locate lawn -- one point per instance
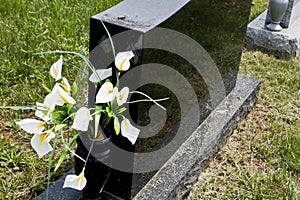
(260, 160)
(29, 27)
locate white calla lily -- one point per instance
(40, 142)
(75, 182)
(101, 73)
(61, 96)
(66, 85)
(40, 114)
(122, 60)
(50, 101)
(106, 93)
(40, 106)
(56, 68)
(32, 125)
(129, 131)
(122, 95)
(82, 119)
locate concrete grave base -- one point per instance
(283, 44)
(175, 179)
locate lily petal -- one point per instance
(122, 60)
(82, 118)
(50, 101)
(122, 96)
(75, 182)
(40, 143)
(42, 115)
(56, 68)
(106, 93)
(102, 74)
(129, 131)
(61, 96)
(40, 106)
(32, 125)
(66, 86)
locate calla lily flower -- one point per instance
(106, 93)
(122, 60)
(75, 182)
(82, 118)
(66, 86)
(129, 131)
(56, 68)
(122, 95)
(32, 125)
(40, 114)
(102, 74)
(40, 143)
(50, 101)
(61, 96)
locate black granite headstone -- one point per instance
(185, 46)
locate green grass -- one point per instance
(262, 158)
(29, 27)
(260, 161)
(258, 6)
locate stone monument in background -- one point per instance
(284, 43)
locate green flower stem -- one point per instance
(31, 107)
(85, 59)
(149, 99)
(114, 52)
(90, 150)
(99, 111)
(110, 40)
(66, 146)
(68, 117)
(49, 166)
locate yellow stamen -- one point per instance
(64, 87)
(43, 138)
(65, 100)
(121, 96)
(55, 71)
(80, 180)
(46, 106)
(122, 63)
(39, 125)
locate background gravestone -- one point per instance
(285, 22)
(283, 44)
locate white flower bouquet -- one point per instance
(58, 114)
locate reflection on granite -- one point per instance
(219, 27)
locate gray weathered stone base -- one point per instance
(176, 178)
(283, 44)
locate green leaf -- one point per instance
(114, 107)
(109, 112)
(69, 107)
(74, 89)
(120, 110)
(46, 88)
(59, 127)
(97, 117)
(65, 152)
(117, 125)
